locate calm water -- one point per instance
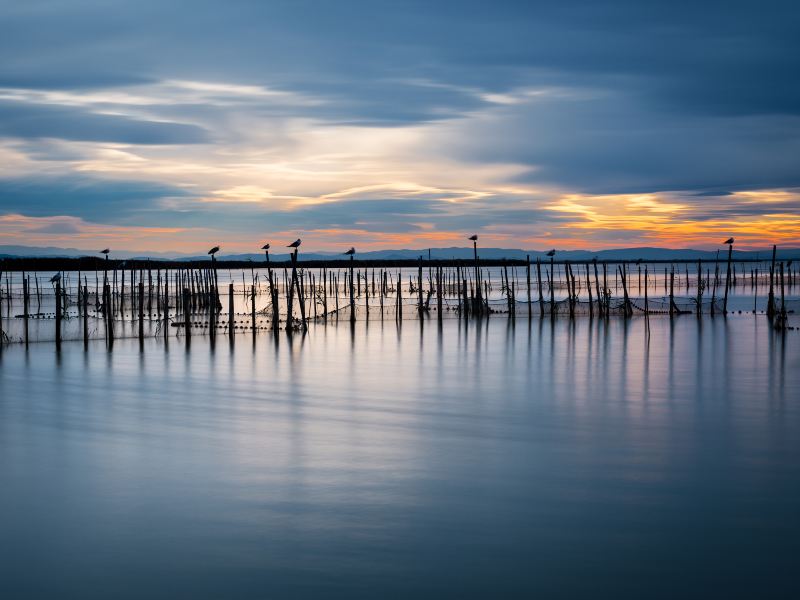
(558, 459)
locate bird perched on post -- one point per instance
(551, 253)
(55, 278)
(294, 244)
(265, 247)
(728, 241)
(214, 250)
(474, 237)
(105, 251)
(350, 252)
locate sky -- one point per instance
(174, 126)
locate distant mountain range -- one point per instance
(628, 254)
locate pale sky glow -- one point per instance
(581, 137)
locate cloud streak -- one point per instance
(533, 124)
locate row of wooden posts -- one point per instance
(198, 288)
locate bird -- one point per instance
(351, 252)
(551, 253)
(214, 250)
(265, 247)
(294, 244)
(474, 238)
(55, 278)
(105, 251)
(728, 241)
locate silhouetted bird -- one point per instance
(551, 253)
(351, 252)
(106, 251)
(214, 250)
(474, 238)
(294, 244)
(55, 278)
(265, 247)
(728, 241)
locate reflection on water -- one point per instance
(562, 458)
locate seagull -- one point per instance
(351, 252)
(106, 251)
(55, 278)
(294, 244)
(728, 241)
(214, 250)
(551, 253)
(265, 247)
(474, 238)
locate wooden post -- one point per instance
(351, 290)
(672, 292)
(109, 321)
(477, 278)
(231, 320)
(771, 298)
(439, 293)
(589, 289)
(570, 281)
(539, 285)
(253, 309)
(552, 288)
(399, 313)
(646, 300)
(626, 300)
(141, 311)
(166, 305)
(325, 294)
(528, 281)
(58, 314)
(187, 317)
(85, 300)
(25, 305)
(699, 286)
(419, 288)
(727, 280)
(783, 301)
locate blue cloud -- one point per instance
(46, 121)
(92, 199)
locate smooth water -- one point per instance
(557, 459)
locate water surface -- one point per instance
(582, 458)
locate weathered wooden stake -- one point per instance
(141, 311)
(85, 300)
(727, 280)
(231, 320)
(58, 315)
(771, 298)
(25, 305)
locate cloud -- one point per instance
(412, 118)
(25, 120)
(83, 197)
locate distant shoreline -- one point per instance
(90, 263)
